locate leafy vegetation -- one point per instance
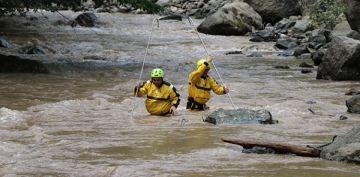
(327, 13)
(10, 7)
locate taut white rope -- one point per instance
(143, 63)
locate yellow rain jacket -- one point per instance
(199, 87)
(159, 100)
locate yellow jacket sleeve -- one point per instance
(143, 89)
(196, 75)
(174, 97)
(218, 89)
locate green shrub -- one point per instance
(326, 13)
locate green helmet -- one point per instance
(200, 62)
(157, 72)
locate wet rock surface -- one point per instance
(353, 104)
(344, 147)
(236, 18)
(240, 116)
(340, 62)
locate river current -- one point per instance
(87, 123)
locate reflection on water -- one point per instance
(81, 124)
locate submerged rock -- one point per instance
(86, 19)
(240, 116)
(15, 64)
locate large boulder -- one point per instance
(352, 9)
(273, 11)
(341, 61)
(240, 116)
(344, 147)
(198, 8)
(236, 18)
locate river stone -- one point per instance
(86, 19)
(240, 116)
(344, 147)
(353, 104)
(4, 43)
(15, 64)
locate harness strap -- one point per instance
(160, 99)
(201, 88)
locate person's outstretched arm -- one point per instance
(217, 88)
(141, 88)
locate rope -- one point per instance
(207, 52)
(143, 63)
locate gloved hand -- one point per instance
(209, 59)
(172, 110)
(137, 87)
(226, 89)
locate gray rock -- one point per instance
(236, 18)
(317, 57)
(352, 9)
(267, 35)
(4, 43)
(342, 117)
(354, 35)
(353, 91)
(341, 60)
(344, 147)
(303, 25)
(36, 50)
(86, 19)
(286, 43)
(273, 11)
(353, 104)
(240, 116)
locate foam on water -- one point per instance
(12, 118)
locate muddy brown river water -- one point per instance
(79, 123)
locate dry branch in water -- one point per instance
(280, 148)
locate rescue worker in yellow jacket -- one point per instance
(200, 85)
(162, 98)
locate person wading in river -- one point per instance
(162, 98)
(200, 85)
